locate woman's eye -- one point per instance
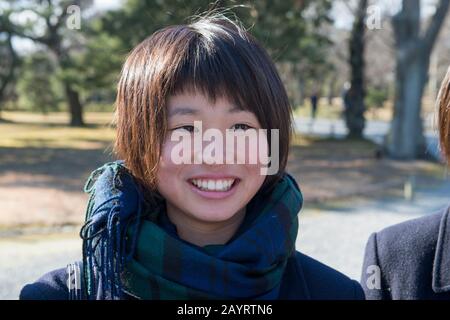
(187, 128)
(241, 126)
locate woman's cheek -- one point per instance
(168, 173)
(165, 159)
(263, 150)
(173, 153)
(256, 153)
(167, 168)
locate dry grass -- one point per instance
(23, 130)
(329, 169)
(44, 164)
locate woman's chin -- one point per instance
(211, 215)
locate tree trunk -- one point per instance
(75, 106)
(301, 90)
(406, 139)
(331, 89)
(9, 76)
(355, 111)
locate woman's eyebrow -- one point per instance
(183, 111)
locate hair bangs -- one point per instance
(216, 68)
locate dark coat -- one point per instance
(413, 259)
(304, 278)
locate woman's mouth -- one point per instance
(213, 185)
(214, 188)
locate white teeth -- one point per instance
(213, 185)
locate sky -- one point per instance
(343, 17)
(107, 4)
(25, 45)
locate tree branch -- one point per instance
(7, 26)
(14, 62)
(64, 12)
(432, 32)
(349, 7)
(21, 33)
(406, 26)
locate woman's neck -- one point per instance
(203, 233)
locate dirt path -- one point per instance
(25, 259)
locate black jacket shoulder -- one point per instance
(407, 260)
(325, 283)
(51, 286)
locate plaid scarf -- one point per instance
(126, 249)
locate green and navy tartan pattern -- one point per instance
(147, 262)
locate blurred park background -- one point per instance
(362, 76)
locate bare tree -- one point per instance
(52, 38)
(413, 50)
(8, 57)
(354, 111)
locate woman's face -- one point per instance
(201, 189)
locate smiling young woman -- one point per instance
(158, 229)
